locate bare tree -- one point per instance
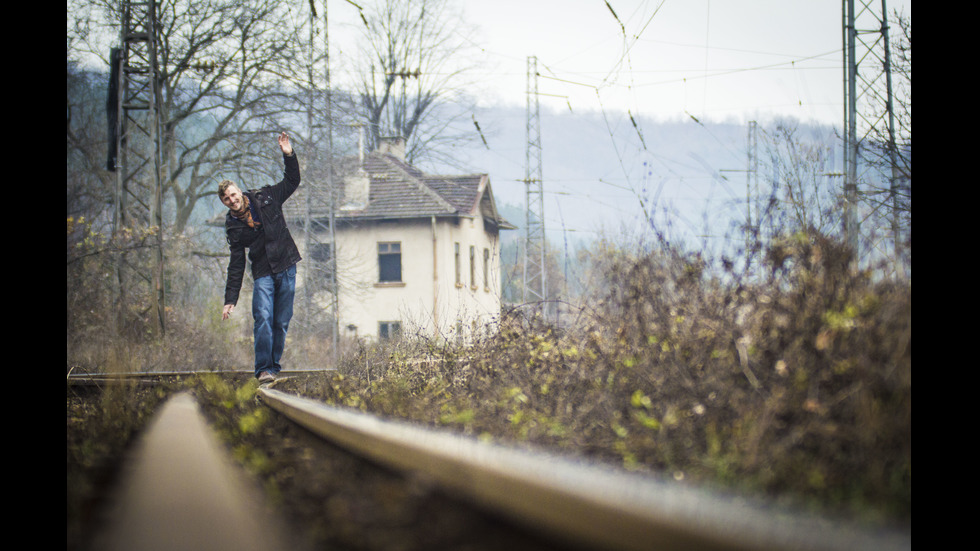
(221, 67)
(89, 185)
(219, 100)
(802, 194)
(412, 78)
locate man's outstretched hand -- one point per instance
(284, 144)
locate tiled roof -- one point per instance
(399, 190)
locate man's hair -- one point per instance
(223, 187)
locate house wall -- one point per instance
(467, 306)
(427, 300)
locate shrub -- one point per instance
(796, 382)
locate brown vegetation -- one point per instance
(797, 385)
(792, 381)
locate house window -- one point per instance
(459, 275)
(389, 330)
(486, 269)
(472, 267)
(390, 262)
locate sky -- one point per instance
(674, 58)
(718, 60)
(724, 61)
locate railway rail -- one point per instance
(574, 503)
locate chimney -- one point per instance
(392, 145)
(356, 189)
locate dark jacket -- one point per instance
(270, 246)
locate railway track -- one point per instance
(573, 504)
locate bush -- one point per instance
(793, 383)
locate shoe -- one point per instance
(266, 377)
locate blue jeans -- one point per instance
(272, 308)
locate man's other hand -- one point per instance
(227, 310)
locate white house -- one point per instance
(416, 253)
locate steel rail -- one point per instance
(182, 490)
(148, 377)
(580, 503)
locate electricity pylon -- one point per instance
(868, 107)
(136, 151)
(535, 287)
(319, 216)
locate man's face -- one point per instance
(232, 198)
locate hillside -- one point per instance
(600, 177)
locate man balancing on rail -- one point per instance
(255, 222)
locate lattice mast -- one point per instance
(138, 151)
(535, 286)
(868, 82)
(319, 217)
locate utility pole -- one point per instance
(535, 287)
(867, 64)
(138, 195)
(752, 185)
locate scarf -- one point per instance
(245, 214)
